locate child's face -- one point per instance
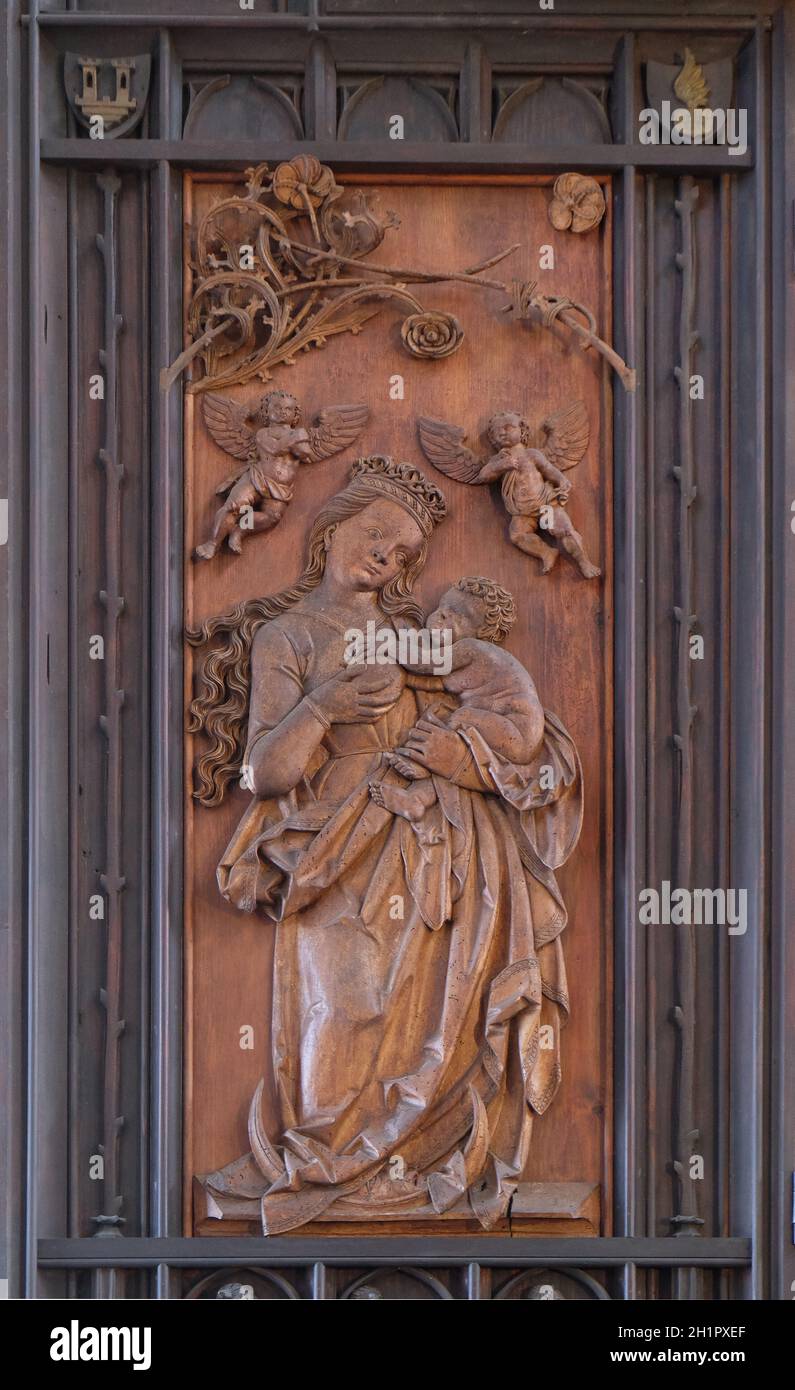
(460, 614)
(281, 410)
(505, 431)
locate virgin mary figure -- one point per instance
(418, 979)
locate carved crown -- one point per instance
(406, 485)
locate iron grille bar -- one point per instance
(219, 1252)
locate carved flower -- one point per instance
(353, 223)
(303, 180)
(432, 334)
(577, 202)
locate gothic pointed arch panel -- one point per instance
(553, 111)
(244, 107)
(370, 110)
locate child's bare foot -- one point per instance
(409, 802)
(408, 769)
(589, 570)
(206, 550)
(235, 541)
(549, 560)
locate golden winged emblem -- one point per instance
(690, 84)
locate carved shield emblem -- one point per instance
(107, 96)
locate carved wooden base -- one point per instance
(538, 1208)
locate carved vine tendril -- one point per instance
(279, 270)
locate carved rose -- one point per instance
(432, 334)
(304, 178)
(577, 203)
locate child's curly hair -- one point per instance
(500, 415)
(262, 414)
(500, 607)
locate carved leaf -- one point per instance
(477, 1145)
(691, 85)
(443, 445)
(566, 435)
(338, 426)
(265, 1156)
(448, 1184)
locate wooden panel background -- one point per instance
(564, 632)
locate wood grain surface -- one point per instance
(563, 636)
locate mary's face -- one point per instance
(373, 547)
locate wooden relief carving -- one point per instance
(281, 270)
(456, 796)
(577, 203)
(390, 715)
(534, 489)
(528, 302)
(257, 494)
(431, 334)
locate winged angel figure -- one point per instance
(271, 449)
(534, 487)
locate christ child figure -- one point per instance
(496, 696)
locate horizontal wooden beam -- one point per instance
(220, 1252)
(547, 22)
(376, 155)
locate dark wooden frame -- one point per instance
(43, 162)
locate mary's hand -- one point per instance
(360, 694)
(436, 747)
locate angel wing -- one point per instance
(226, 421)
(337, 427)
(444, 445)
(565, 435)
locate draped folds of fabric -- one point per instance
(415, 964)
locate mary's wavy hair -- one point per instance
(220, 709)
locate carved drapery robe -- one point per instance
(414, 963)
